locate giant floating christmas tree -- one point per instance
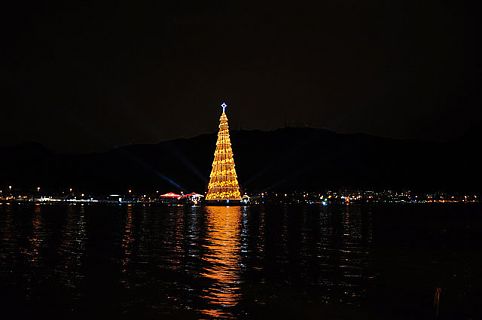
(223, 184)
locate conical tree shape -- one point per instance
(223, 183)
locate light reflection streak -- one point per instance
(72, 249)
(353, 256)
(36, 239)
(127, 240)
(222, 260)
(178, 250)
(8, 238)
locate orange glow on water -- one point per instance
(222, 258)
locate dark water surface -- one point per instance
(153, 262)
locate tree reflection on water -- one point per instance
(222, 259)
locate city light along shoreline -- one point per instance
(325, 198)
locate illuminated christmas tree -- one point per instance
(223, 183)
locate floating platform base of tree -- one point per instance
(225, 203)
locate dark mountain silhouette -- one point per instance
(284, 159)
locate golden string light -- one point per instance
(223, 183)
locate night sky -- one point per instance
(85, 76)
